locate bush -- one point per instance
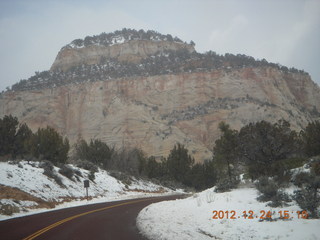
(77, 172)
(301, 178)
(67, 171)
(282, 173)
(13, 137)
(22, 138)
(315, 166)
(124, 178)
(46, 165)
(49, 172)
(130, 161)
(58, 180)
(48, 144)
(171, 184)
(308, 197)
(96, 152)
(225, 152)
(152, 168)
(270, 191)
(291, 163)
(263, 146)
(8, 128)
(179, 163)
(92, 176)
(307, 201)
(311, 138)
(7, 209)
(225, 185)
(87, 165)
(279, 200)
(92, 168)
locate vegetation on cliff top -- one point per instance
(166, 62)
(121, 36)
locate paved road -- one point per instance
(112, 221)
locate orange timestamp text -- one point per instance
(263, 214)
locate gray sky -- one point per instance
(281, 31)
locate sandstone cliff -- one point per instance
(125, 46)
(133, 51)
(155, 112)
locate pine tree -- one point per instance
(210, 174)
(22, 138)
(311, 138)
(262, 145)
(225, 150)
(48, 144)
(96, 152)
(196, 177)
(8, 129)
(153, 168)
(308, 197)
(179, 163)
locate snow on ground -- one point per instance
(192, 218)
(74, 203)
(29, 178)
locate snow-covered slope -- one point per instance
(192, 218)
(24, 187)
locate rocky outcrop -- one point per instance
(131, 51)
(149, 94)
(153, 113)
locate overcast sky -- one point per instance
(281, 31)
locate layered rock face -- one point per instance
(155, 112)
(132, 51)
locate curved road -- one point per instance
(111, 220)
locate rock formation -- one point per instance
(154, 111)
(132, 51)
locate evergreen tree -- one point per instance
(311, 138)
(22, 138)
(48, 144)
(210, 174)
(13, 137)
(100, 153)
(8, 129)
(82, 151)
(262, 145)
(196, 177)
(132, 161)
(308, 196)
(179, 163)
(153, 169)
(225, 151)
(96, 152)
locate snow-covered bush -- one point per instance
(308, 197)
(308, 200)
(124, 178)
(49, 171)
(225, 185)
(46, 165)
(67, 171)
(8, 209)
(300, 179)
(92, 176)
(87, 165)
(270, 191)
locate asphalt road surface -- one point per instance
(112, 221)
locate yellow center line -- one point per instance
(43, 230)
